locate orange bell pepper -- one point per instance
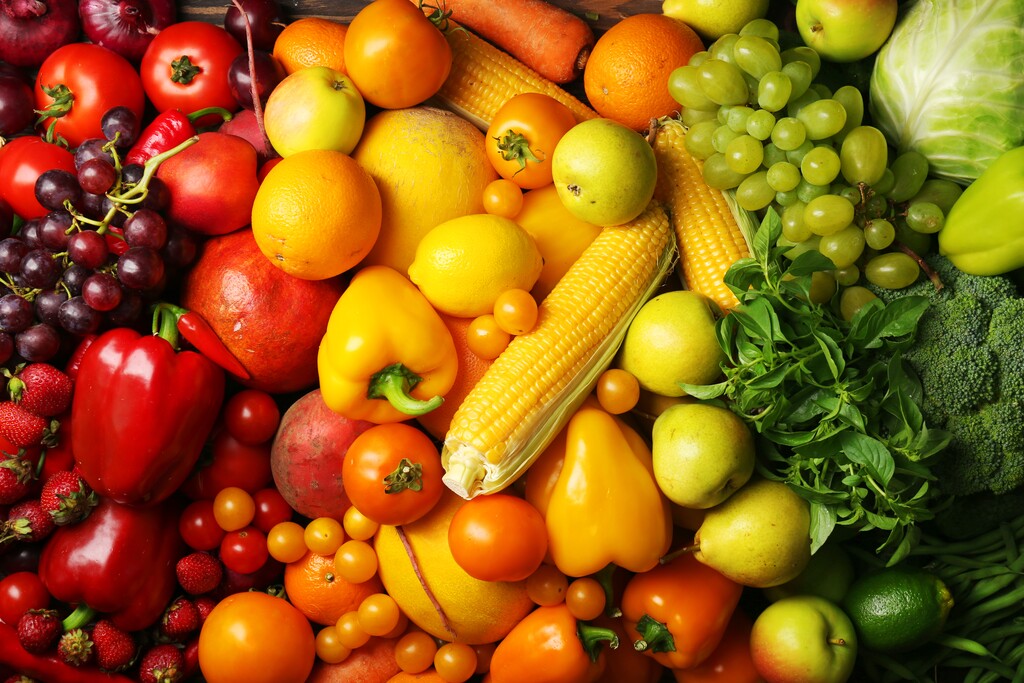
(386, 355)
(731, 661)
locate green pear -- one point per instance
(759, 537)
(702, 453)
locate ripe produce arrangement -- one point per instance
(509, 343)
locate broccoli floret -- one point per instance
(969, 355)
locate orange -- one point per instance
(626, 77)
(471, 369)
(317, 213)
(318, 592)
(311, 41)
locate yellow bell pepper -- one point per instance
(606, 506)
(386, 355)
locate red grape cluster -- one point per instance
(100, 255)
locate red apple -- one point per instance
(315, 108)
(803, 639)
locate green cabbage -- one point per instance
(949, 83)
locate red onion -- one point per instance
(125, 26)
(31, 29)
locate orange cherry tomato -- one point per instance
(618, 391)
(522, 136)
(502, 197)
(516, 311)
(485, 338)
(499, 537)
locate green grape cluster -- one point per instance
(763, 127)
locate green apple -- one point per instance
(845, 30)
(604, 172)
(314, 108)
(712, 19)
(803, 639)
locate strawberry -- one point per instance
(75, 648)
(199, 572)
(41, 389)
(162, 664)
(27, 521)
(17, 474)
(38, 630)
(180, 619)
(204, 604)
(115, 648)
(22, 428)
(67, 498)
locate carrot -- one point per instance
(550, 40)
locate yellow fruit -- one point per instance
(476, 611)
(430, 166)
(316, 214)
(464, 264)
(714, 18)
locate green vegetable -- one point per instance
(836, 415)
(949, 83)
(983, 234)
(969, 356)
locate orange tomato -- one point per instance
(522, 136)
(395, 54)
(499, 537)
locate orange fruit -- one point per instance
(311, 41)
(316, 590)
(428, 676)
(471, 369)
(373, 662)
(316, 214)
(626, 77)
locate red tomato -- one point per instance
(22, 161)
(256, 637)
(244, 551)
(395, 55)
(233, 464)
(80, 82)
(271, 509)
(20, 592)
(499, 537)
(198, 526)
(522, 136)
(392, 473)
(186, 67)
(252, 416)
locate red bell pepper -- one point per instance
(166, 131)
(142, 412)
(119, 561)
(47, 667)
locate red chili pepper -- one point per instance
(142, 412)
(47, 668)
(197, 332)
(167, 131)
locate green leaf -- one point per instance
(871, 453)
(767, 235)
(874, 324)
(823, 521)
(851, 415)
(879, 521)
(770, 379)
(705, 391)
(759, 320)
(833, 354)
(744, 275)
(808, 263)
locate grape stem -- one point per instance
(928, 270)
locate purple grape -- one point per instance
(129, 311)
(6, 347)
(91, 205)
(53, 231)
(16, 105)
(101, 291)
(92, 149)
(30, 233)
(121, 123)
(132, 173)
(12, 251)
(145, 228)
(40, 269)
(268, 71)
(38, 344)
(56, 186)
(88, 248)
(47, 305)
(74, 277)
(6, 219)
(16, 313)
(77, 317)
(158, 195)
(97, 176)
(181, 249)
(140, 268)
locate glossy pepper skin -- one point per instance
(119, 561)
(606, 507)
(678, 612)
(168, 130)
(983, 233)
(141, 413)
(550, 646)
(387, 355)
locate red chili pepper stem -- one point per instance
(82, 615)
(165, 324)
(219, 111)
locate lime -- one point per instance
(897, 608)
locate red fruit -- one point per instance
(41, 389)
(75, 648)
(67, 498)
(17, 474)
(20, 427)
(199, 573)
(38, 630)
(115, 647)
(162, 664)
(28, 521)
(180, 619)
(204, 605)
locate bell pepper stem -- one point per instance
(82, 615)
(592, 636)
(654, 636)
(394, 383)
(604, 577)
(165, 323)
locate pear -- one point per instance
(702, 453)
(759, 537)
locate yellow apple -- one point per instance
(314, 108)
(845, 30)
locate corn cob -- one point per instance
(531, 389)
(484, 77)
(712, 231)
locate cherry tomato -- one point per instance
(198, 526)
(252, 416)
(414, 652)
(233, 508)
(286, 542)
(244, 551)
(356, 561)
(324, 535)
(392, 473)
(395, 55)
(186, 67)
(20, 592)
(254, 636)
(502, 197)
(271, 509)
(455, 662)
(547, 586)
(350, 631)
(618, 391)
(485, 338)
(585, 598)
(522, 136)
(232, 464)
(515, 311)
(22, 161)
(499, 537)
(378, 614)
(329, 648)
(357, 525)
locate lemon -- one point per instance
(464, 264)
(714, 18)
(897, 608)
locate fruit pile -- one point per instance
(420, 347)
